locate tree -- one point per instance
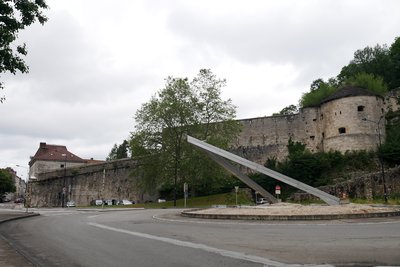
(119, 151)
(15, 15)
(6, 183)
(368, 81)
(319, 89)
(394, 81)
(289, 110)
(381, 60)
(181, 108)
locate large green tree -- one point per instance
(182, 108)
(15, 15)
(381, 60)
(6, 184)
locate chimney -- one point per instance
(42, 144)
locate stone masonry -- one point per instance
(346, 121)
(83, 184)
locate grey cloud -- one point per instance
(304, 34)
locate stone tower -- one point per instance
(352, 119)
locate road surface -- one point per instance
(70, 237)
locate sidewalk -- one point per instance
(9, 257)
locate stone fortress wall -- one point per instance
(85, 183)
(336, 124)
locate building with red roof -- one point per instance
(53, 157)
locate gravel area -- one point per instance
(297, 209)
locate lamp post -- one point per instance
(378, 123)
(65, 173)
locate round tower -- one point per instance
(352, 119)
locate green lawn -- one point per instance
(203, 202)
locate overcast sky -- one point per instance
(95, 62)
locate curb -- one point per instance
(19, 216)
(291, 217)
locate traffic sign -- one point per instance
(277, 190)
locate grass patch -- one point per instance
(202, 202)
(394, 200)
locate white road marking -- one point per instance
(222, 252)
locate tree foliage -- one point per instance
(390, 150)
(315, 169)
(15, 15)
(289, 110)
(6, 183)
(319, 89)
(376, 69)
(183, 108)
(372, 83)
(119, 151)
(381, 60)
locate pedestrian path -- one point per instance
(9, 256)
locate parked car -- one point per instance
(262, 201)
(19, 200)
(161, 200)
(108, 202)
(125, 202)
(71, 203)
(96, 202)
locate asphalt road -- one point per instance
(160, 238)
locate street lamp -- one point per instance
(65, 173)
(378, 123)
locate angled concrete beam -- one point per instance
(329, 199)
(242, 177)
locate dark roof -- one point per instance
(348, 91)
(55, 153)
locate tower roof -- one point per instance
(348, 91)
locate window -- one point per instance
(342, 130)
(62, 166)
(312, 137)
(360, 108)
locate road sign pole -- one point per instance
(185, 192)
(236, 193)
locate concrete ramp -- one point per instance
(220, 153)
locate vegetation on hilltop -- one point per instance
(376, 69)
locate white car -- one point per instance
(125, 202)
(70, 204)
(262, 201)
